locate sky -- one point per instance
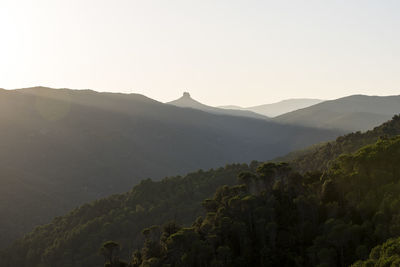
(223, 52)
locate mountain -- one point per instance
(279, 108)
(186, 101)
(270, 216)
(60, 148)
(319, 157)
(231, 107)
(275, 217)
(73, 239)
(352, 113)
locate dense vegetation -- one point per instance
(273, 216)
(277, 217)
(73, 240)
(62, 148)
(387, 254)
(319, 157)
(296, 208)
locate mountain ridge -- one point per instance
(79, 145)
(350, 113)
(122, 217)
(186, 101)
(278, 108)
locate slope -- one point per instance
(352, 113)
(279, 108)
(319, 157)
(73, 239)
(66, 147)
(186, 101)
(279, 218)
(273, 217)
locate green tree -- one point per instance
(110, 251)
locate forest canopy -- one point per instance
(262, 214)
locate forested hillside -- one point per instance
(277, 217)
(61, 148)
(386, 254)
(266, 214)
(199, 133)
(73, 240)
(320, 156)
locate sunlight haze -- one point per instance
(223, 52)
(213, 133)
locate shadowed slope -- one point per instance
(352, 113)
(67, 147)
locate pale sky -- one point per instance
(222, 51)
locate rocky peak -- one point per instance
(186, 95)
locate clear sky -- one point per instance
(222, 51)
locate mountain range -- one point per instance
(186, 101)
(351, 113)
(348, 114)
(291, 211)
(61, 147)
(279, 108)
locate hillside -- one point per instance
(73, 239)
(320, 157)
(186, 101)
(352, 113)
(278, 218)
(61, 148)
(279, 108)
(271, 217)
(386, 254)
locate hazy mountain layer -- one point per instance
(279, 108)
(186, 101)
(352, 113)
(60, 148)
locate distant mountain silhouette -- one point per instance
(232, 107)
(352, 113)
(279, 108)
(186, 101)
(60, 148)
